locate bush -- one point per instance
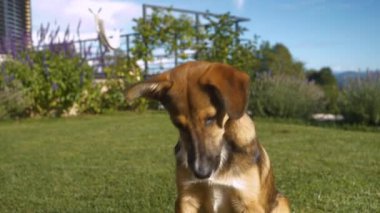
(328, 83)
(90, 100)
(360, 100)
(113, 97)
(55, 80)
(14, 100)
(284, 96)
(120, 74)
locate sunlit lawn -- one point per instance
(124, 163)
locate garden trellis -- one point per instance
(99, 57)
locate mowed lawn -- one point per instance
(124, 163)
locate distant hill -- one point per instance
(345, 76)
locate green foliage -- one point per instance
(331, 96)
(326, 80)
(54, 80)
(163, 29)
(243, 57)
(120, 74)
(360, 100)
(217, 41)
(278, 60)
(14, 100)
(223, 35)
(90, 100)
(284, 96)
(325, 76)
(108, 94)
(113, 96)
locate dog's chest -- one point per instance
(226, 194)
(218, 198)
(226, 198)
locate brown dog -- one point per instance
(221, 167)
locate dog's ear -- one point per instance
(153, 88)
(231, 85)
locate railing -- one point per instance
(93, 51)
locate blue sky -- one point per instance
(342, 34)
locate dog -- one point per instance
(220, 165)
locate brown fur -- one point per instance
(221, 166)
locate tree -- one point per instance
(221, 36)
(163, 30)
(244, 57)
(327, 81)
(218, 40)
(278, 60)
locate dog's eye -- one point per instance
(210, 120)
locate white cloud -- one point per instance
(239, 3)
(116, 14)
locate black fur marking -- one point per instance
(177, 148)
(217, 102)
(191, 155)
(257, 155)
(236, 149)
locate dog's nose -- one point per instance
(202, 172)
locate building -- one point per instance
(15, 24)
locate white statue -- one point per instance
(112, 41)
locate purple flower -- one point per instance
(67, 34)
(42, 33)
(54, 86)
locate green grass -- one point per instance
(124, 163)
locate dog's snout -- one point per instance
(202, 171)
(200, 163)
(202, 158)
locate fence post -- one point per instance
(197, 35)
(127, 40)
(237, 40)
(145, 60)
(176, 49)
(101, 56)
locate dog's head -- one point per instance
(200, 97)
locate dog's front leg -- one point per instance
(185, 204)
(282, 205)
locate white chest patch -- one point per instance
(236, 183)
(233, 183)
(218, 198)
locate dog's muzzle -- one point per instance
(204, 166)
(202, 170)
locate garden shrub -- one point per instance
(55, 80)
(14, 100)
(90, 100)
(284, 96)
(328, 83)
(120, 74)
(359, 101)
(113, 97)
